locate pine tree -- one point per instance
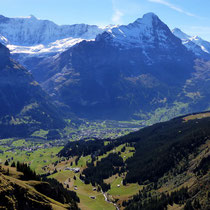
(18, 166)
(196, 204)
(6, 163)
(188, 206)
(13, 164)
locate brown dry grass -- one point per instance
(196, 116)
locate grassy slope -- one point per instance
(122, 191)
(9, 184)
(37, 159)
(83, 191)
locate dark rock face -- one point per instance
(4, 55)
(24, 105)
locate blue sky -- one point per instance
(192, 16)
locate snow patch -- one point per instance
(3, 40)
(54, 47)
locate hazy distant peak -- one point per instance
(193, 43)
(180, 34)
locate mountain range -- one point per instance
(113, 73)
(129, 71)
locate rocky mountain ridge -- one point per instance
(145, 32)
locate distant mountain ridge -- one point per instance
(34, 37)
(32, 31)
(195, 44)
(29, 38)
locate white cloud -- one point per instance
(117, 15)
(117, 12)
(172, 6)
(123, 8)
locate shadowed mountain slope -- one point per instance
(24, 106)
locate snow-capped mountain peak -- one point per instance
(146, 32)
(32, 17)
(180, 34)
(147, 19)
(193, 43)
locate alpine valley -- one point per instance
(113, 117)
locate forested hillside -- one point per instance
(163, 153)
